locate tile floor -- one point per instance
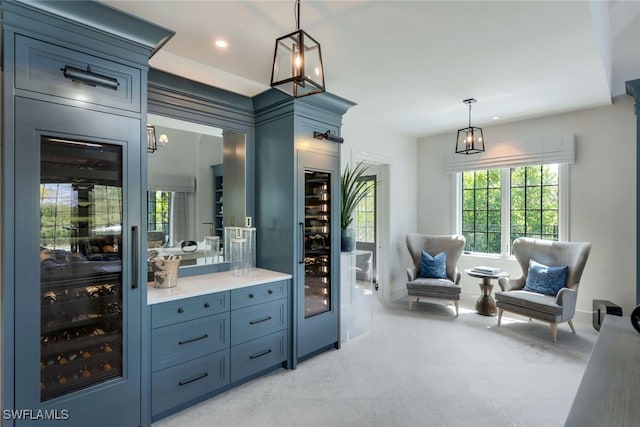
(419, 368)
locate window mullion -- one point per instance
(505, 220)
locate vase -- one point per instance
(348, 240)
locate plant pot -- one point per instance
(348, 240)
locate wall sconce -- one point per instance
(470, 140)
(152, 145)
(328, 136)
(164, 139)
(297, 63)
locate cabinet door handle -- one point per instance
(301, 259)
(193, 340)
(255, 356)
(190, 380)
(253, 322)
(134, 256)
(88, 77)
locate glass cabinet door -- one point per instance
(317, 243)
(81, 282)
(77, 200)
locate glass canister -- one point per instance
(212, 246)
(237, 255)
(230, 233)
(249, 234)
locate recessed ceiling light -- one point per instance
(221, 43)
(495, 118)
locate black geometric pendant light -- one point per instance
(297, 63)
(470, 140)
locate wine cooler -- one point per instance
(317, 243)
(80, 264)
(318, 256)
(77, 263)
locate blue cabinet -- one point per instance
(180, 384)
(203, 345)
(190, 351)
(73, 309)
(298, 210)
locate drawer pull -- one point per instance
(199, 377)
(180, 310)
(193, 340)
(270, 291)
(253, 322)
(264, 353)
(206, 305)
(88, 77)
(250, 295)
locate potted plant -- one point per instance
(353, 189)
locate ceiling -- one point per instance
(409, 64)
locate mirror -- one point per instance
(196, 182)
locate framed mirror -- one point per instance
(200, 178)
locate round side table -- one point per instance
(485, 304)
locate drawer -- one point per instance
(182, 310)
(259, 320)
(258, 294)
(257, 355)
(39, 67)
(187, 381)
(184, 341)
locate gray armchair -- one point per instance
(448, 288)
(552, 309)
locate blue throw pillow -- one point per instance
(434, 267)
(544, 279)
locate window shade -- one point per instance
(179, 184)
(511, 154)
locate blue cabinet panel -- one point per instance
(256, 321)
(258, 294)
(257, 355)
(177, 385)
(41, 67)
(188, 309)
(184, 341)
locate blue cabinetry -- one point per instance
(190, 350)
(203, 345)
(73, 114)
(297, 209)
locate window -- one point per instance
(365, 215)
(500, 205)
(481, 210)
(158, 203)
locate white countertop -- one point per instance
(209, 283)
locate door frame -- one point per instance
(380, 165)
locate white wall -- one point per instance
(602, 198)
(398, 151)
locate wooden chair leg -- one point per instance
(500, 311)
(410, 303)
(571, 326)
(554, 331)
(456, 304)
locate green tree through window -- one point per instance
(365, 215)
(532, 194)
(158, 211)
